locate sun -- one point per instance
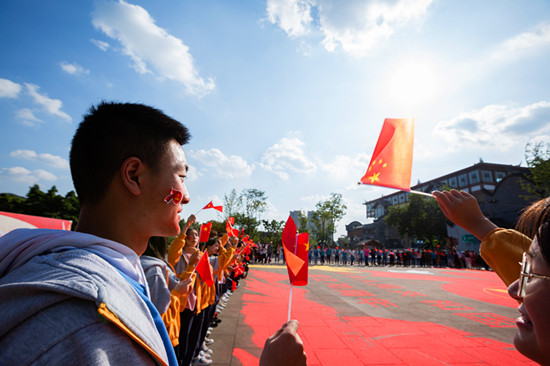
(412, 83)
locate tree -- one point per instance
(537, 157)
(303, 220)
(231, 203)
(46, 204)
(325, 217)
(420, 218)
(251, 204)
(273, 231)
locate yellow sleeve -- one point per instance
(175, 250)
(224, 258)
(503, 249)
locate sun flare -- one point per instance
(412, 83)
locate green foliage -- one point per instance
(273, 231)
(246, 207)
(325, 217)
(537, 157)
(302, 222)
(420, 219)
(46, 204)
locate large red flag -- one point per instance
(204, 270)
(211, 205)
(296, 252)
(205, 232)
(391, 161)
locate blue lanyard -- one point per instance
(140, 289)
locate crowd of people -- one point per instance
(188, 304)
(370, 256)
(114, 293)
(85, 297)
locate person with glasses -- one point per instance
(520, 257)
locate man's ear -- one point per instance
(130, 171)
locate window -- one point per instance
(474, 177)
(401, 198)
(452, 182)
(487, 176)
(499, 176)
(462, 180)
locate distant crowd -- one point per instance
(370, 256)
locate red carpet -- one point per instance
(332, 339)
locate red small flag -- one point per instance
(229, 227)
(391, 162)
(205, 232)
(211, 205)
(204, 270)
(296, 251)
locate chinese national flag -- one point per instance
(205, 232)
(204, 270)
(296, 251)
(391, 161)
(229, 227)
(210, 205)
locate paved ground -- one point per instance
(374, 316)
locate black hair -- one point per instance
(535, 222)
(157, 247)
(111, 133)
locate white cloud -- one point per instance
(27, 117)
(292, 16)
(73, 69)
(149, 45)
(347, 169)
(287, 155)
(9, 89)
(52, 106)
(357, 26)
(225, 166)
(525, 42)
(104, 46)
(48, 159)
(23, 175)
(496, 126)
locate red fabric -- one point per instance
(211, 205)
(10, 221)
(296, 251)
(391, 162)
(204, 270)
(229, 227)
(205, 232)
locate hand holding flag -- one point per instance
(296, 252)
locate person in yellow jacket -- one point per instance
(504, 249)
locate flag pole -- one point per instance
(290, 302)
(422, 193)
(291, 286)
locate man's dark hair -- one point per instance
(111, 133)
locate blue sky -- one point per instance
(284, 96)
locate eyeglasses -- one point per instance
(525, 275)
